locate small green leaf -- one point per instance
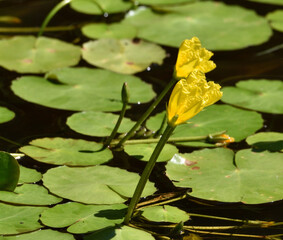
(6, 115)
(276, 20)
(165, 2)
(28, 175)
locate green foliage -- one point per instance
(276, 20)
(28, 175)
(6, 115)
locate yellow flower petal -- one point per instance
(192, 56)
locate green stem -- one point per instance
(37, 29)
(147, 112)
(51, 14)
(10, 141)
(147, 171)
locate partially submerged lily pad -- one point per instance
(28, 54)
(276, 19)
(81, 89)
(71, 152)
(6, 114)
(122, 56)
(255, 178)
(93, 185)
(256, 94)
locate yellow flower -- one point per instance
(190, 96)
(192, 56)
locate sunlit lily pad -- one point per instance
(218, 26)
(19, 219)
(114, 30)
(122, 56)
(256, 94)
(276, 2)
(97, 123)
(99, 7)
(45, 234)
(119, 233)
(6, 115)
(159, 2)
(28, 175)
(71, 152)
(29, 194)
(144, 151)
(213, 119)
(94, 185)
(28, 54)
(272, 141)
(276, 19)
(165, 213)
(81, 89)
(81, 218)
(255, 178)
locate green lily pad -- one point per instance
(165, 2)
(19, 219)
(28, 175)
(114, 30)
(28, 54)
(218, 26)
(119, 233)
(276, 2)
(97, 123)
(6, 115)
(144, 151)
(29, 194)
(272, 141)
(261, 95)
(81, 89)
(165, 213)
(122, 56)
(45, 234)
(254, 178)
(70, 152)
(80, 218)
(99, 7)
(215, 118)
(93, 185)
(276, 20)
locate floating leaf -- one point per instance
(29, 194)
(45, 234)
(260, 95)
(255, 178)
(99, 7)
(214, 119)
(28, 54)
(165, 2)
(81, 89)
(278, 2)
(18, 219)
(119, 233)
(144, 151)
(97, 123)
(28, 175)
(70, 152)
(93, 185)
(122, 56)
(272, 141)
(165, 213)
(80, 218)
(114, 30)
(218, 26)
(6, 115)
(276, 19)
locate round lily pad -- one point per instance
(276, 20)
(93, 185)
(212, 174)
(71, 152)
(119, 233)
(122, 56)
(218, 26)
(99, 7)
(19, 219)
(144, 151)
(97, 123)
(272, 141)
(256, 94)
(81, 218)
(165, 213)
(81, 89)
(28, 175)
(6, 115)
(28, 54)
(29, 194)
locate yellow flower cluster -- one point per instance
(192, 93)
